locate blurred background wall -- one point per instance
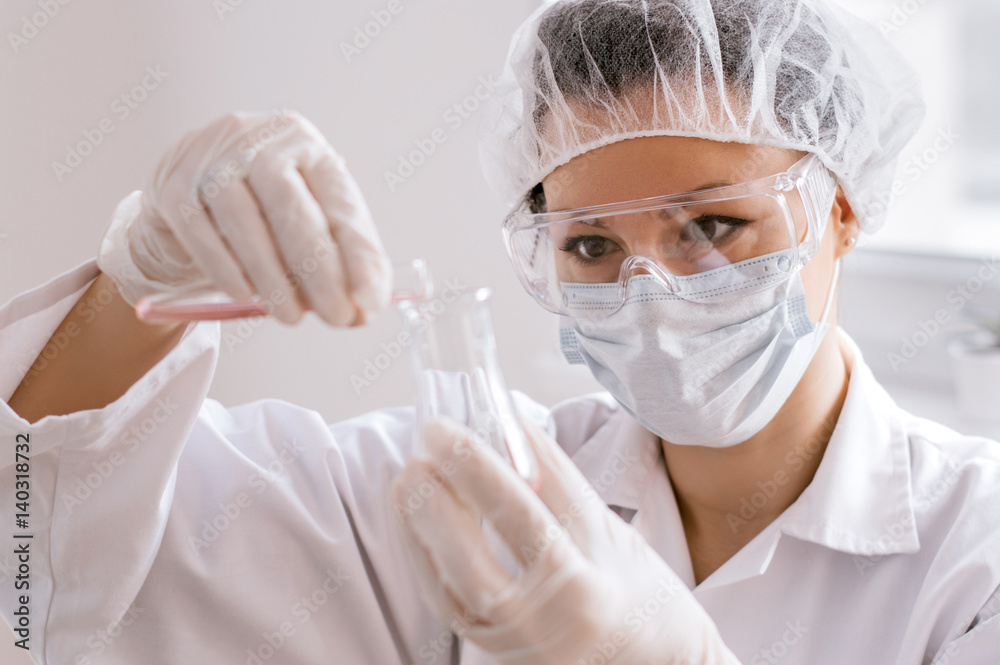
(65, 66)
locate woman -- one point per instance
(688, 176)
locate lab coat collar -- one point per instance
(618, 459)
(860, 501)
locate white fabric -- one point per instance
(888, 557)
(798, 74)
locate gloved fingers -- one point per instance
(239, 219)
(451, 535)
(487, 483)
(441, 603)
(149, 236)
(195, 231)
(175, 238)
(369, 269)
(302, 233)
(565, 491)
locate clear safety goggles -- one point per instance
(680, 242)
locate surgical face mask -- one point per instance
(707, 361)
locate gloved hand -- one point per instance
(252, 203)
(589, 590)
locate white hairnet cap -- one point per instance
(799, 74)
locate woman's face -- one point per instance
(701, 239)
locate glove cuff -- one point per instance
(115, 257)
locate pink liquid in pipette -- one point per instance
(181, 309)
(224, 311)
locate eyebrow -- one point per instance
(712, 185)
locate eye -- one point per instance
(589, 248)
(713, 228)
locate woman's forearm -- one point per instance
(108, 350)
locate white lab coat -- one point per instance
(170, 529)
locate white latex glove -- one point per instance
(590, 590)
(253, 203)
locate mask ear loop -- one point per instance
(823, 222)
(819, 180)
(833, 282)
(830, 294)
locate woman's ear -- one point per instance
(844, 225)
